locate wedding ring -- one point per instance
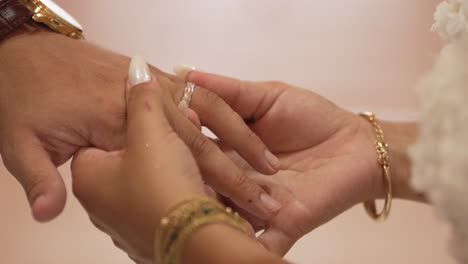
(188, 93)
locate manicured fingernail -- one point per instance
(272, 159)
(270, 204)
(138, 71)
(181, 71)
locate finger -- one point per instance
(160, 73)
(147, 123)
(192, 116)
(118, 244)
(251, 100)
(232, 130)
(276, 241)
(256, 223)
(221, 173)
(91, 171)
(30, 163)
(152, 142)
(287, 226)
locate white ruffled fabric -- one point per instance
(440, 157)
(451, 20)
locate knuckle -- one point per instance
(117, 243)
(96, 224)
(7, 156)
(171, 88)
(211, 98)
(8, 161)
(142, 92)
(33, 184)
(116, 113)
(201, 146)
(237, 95)
(252, 138)
(241, 182)
(276, 84)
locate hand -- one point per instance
(328, 160)
(58, 95)
(126, 192)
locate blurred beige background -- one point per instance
(363, 54)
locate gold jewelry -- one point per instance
(382, 151)
(184, 220)
(47, 12)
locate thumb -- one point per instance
(147, 125)
(93, 171)
(32, 166)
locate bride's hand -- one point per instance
(126, 192)
(219, 172)
(328, 158)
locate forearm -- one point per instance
(400, 137)
(215, 244)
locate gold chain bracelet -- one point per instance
(383, 159)
(184, 220)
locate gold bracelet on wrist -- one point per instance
(383, 159)
(184, 220)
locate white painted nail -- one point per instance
(270, 204)
(139, 71)
(183, 70)
(272, 159)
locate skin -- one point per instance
(328, 164)
(310, 183)
(38, 135)
(58, 95)
(127, 192)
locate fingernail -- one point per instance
(138, 71)
(271, 204)
(181, 71)
(272, 159)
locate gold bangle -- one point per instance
(184, 220)
(383, 159)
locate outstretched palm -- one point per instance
(328, 161)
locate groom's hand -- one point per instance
(58, 95)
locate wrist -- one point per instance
(399, 136)
(204, 247)
(174, 198)
(16, 53)
(27, 29)
(25, 42)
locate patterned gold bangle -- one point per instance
(383, 159)
(184, 220)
